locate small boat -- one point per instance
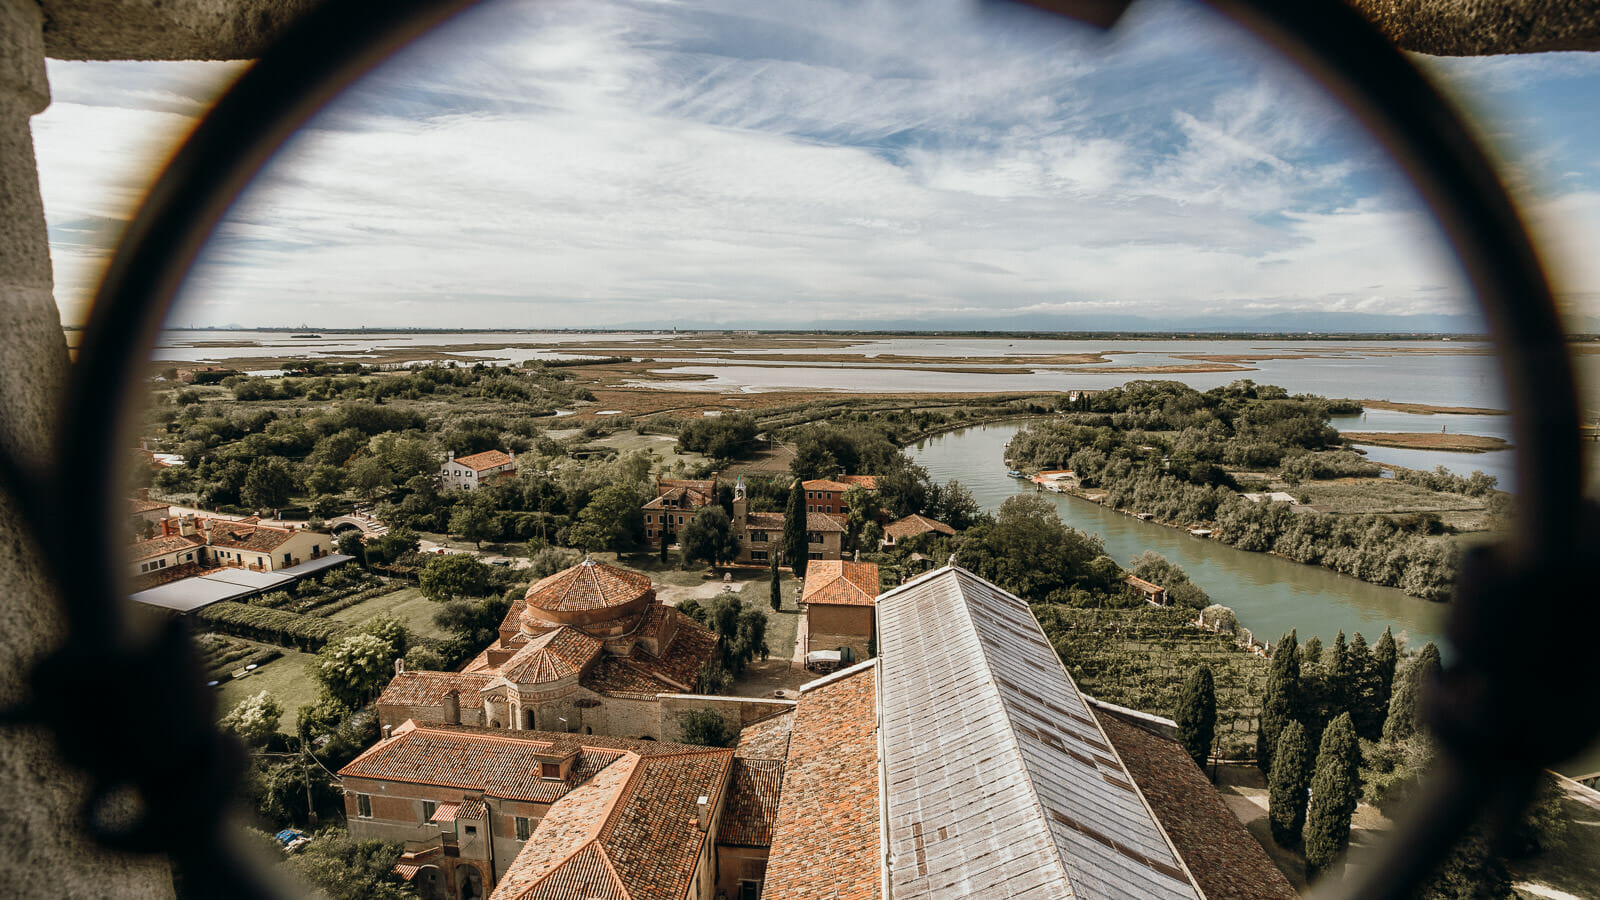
(1200, 532)
(1015, 473)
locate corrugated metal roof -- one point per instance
(999, 780)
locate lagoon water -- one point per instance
(1270, 595)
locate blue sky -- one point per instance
(573, 164)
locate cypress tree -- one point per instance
(1383, 660)
(1365, 714)
(1197, 714)
(1287, 788)
(1404, 709)
(1340, 683)
(1310, 654)
(663, 553)
(794, 530)
(1282, 700)
(777, 589)
(1334, 791)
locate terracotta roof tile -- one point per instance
(420, 688)
(551, 657)
(765, 520)
(913, 525)
(498, 762)
(244, 536)
(159, 546)
(488, 459)
(588, 585)
(630, 833)
(766, 738)
(840, 582)
(824, 522)
(681, 662)
(137, 506)
(1220, 853)
(825, 837)
(704, 487)
(824, 484)
(653, 838)
(752, 803)
(870, 482)
(618, 677)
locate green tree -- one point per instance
(1028, 551)
(345, 869)
(1406, 705)
(254, 719)
(1157, 569)
(476, 621)
(269, 483)
(706, 728)
(473, 521)
(709, 536)
(612, 520)
(742, 629)
(370, 477)
(1383, 663)
(795, 548)
(1287, 788)
(454, 575)
(1334, 791)
(1197, 714)
(353, 670)
(1282, 700)
(776, 596)
(1365, 713)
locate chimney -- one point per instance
(704, 807)
(186, 525)
(452, 708)
(386, 730)
(399, 665)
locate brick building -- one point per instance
(532, 814)
(761, 533)
(838, 600)
(587, 650)
(675, 503)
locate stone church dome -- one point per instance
(589, 593)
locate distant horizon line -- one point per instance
(1124, 334)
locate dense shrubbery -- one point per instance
(719, 437)
(272, 626)
(1158, 448)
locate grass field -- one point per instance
(1381, 495)
(407, 604)
(288, 679)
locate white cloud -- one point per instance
(612, 164)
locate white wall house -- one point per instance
(469, 472)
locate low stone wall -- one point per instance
(737, 712)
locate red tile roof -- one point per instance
(488, 459)
(840, 582)
(823, 484)
(765, 520)
(643, 675)
(428, 688)
(825, 839)
(631, 833)
(1221, 855)
(587, 585)
(824, 522)
(499, 762)
(159, 546)
(137, 506)
(766, 738)
(243, 536)
(753, 795)
(870, 482)
(913, 525)
(703, 487)
(551, 657)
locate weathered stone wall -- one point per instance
(1483, 27)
